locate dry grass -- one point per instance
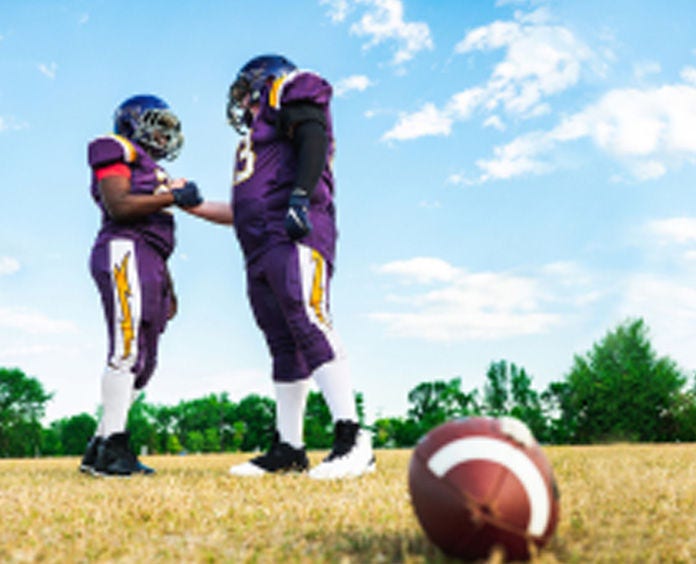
(619, 504)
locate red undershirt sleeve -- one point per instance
(115, 169)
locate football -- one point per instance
(483, 484)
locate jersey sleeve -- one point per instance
(300, 86)
(109, 150)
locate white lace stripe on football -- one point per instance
(494, 450)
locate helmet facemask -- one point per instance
(158, 131)
(247, 88)
(239, 115)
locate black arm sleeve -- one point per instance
(305, 126)
(310, 144)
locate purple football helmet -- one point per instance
(246, 89)
(149, 121)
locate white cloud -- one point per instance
(33, 322)
(495, 122)
(647, 170)
(8, 265)
(427, 121)
(430, 204)
(338, 9)
(383, 21)
(48, 70)
(12, 353)
(668, 306)
(663, 292)
(460, 179)
(674, 230)
(462, 105)
(515, 158)
(646, 68)
(9, 123)
(643, 129)
(688, 74)
(633, 122)
(357, 82)
(421, 270)
(540, 60)
(457, 305)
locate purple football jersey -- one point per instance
(157, 229)
(265, 169)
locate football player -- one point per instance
(129, 263)
(285, 220)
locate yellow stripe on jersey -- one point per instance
(276, 93)
(316, 298)
(123, 290)
(129, 152)
(276, 87)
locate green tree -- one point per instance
(509, 391)
(211, 440)
(165, 422)
(173, 445)
(75, 432)
(237, 435)
(495, 391)
(396, 432)
(683, 414)
(201, 413)
(621, 390)
(558, 413)
(194, 441)
(50, 441)
(142, 425)
(258, 415)
(318, 427)
(22, 405)
(433, 403)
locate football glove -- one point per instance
(297, 222)
(187, 196)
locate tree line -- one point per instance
(619, 390)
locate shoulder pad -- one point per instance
(299, 86)
(111, 149)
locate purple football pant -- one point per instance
(288, 289)
(135, 293)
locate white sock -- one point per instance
(99, 432)
(291, 398)
(334, 381)
(117, 387)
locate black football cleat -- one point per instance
(115, 458)
(89, 459)
(280, 458)
(141, 468)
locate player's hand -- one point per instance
(187, 196)
(297, 222)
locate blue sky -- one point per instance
(515, 178)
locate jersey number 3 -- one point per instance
(246, 159)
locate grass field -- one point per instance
(620, 503)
